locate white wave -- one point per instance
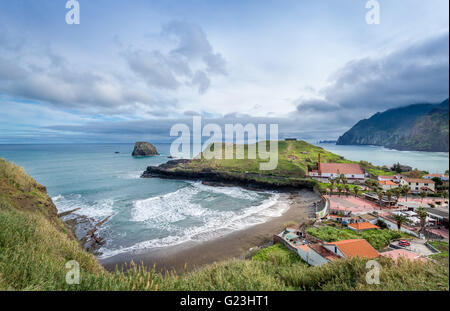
(235, 192)
(161, 210)
(97, 209)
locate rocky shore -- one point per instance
(175, 169)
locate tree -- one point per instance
(343, 179)
(422, 194)
(405, 191)
(437, 181)
(380, 195)
(389, 196)
(423, 214)
(397, 192)
(356, 191)
(400, 219)
(340, 188)
(347, 189)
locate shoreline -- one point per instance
(192, 255)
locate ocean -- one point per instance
(145, 212)
(153, 212)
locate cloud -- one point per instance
(193, 43)
(418, 72)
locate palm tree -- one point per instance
(423, 214)
(397, 192)
(400, 219)
(422, 194)
(347, 189)
(356, 190)
(343, 179)
(389, 196)
(380, 195)
(340, 188)
(405, 191)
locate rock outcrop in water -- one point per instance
(144, 149)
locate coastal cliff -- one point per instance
(420, 127)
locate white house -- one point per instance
(417, 185)
(387, 184)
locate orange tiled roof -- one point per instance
(356, 247)
(433, 175)
(387, 183)
(363, 226)
(341, 168)
(324, 252)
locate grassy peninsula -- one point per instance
(35, 246)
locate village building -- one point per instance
(352, 248)
(362, 226)
(442, 177)
(393, 178)
(387, 184)
(417, 185)
(326, 171)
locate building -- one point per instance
(362, 226)
(387, 184)
(352, 248)
(393, 178)
(417, 185)
(440, 176)
(326, 171)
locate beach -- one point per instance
(195, 254)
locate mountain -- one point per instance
(419, 127)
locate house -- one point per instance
(387, 184)
(325, 171)
(417, 185)
(442, 177)
(315, 254)
(393, 178)
(362, 226)
(352, 248)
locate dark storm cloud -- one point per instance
(416, 73)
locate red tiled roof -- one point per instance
(341, 168)
(363, 226)
(387, 183)
(356, 247)
(433, 175)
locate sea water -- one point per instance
(144, 212)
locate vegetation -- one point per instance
(34, 250)
(442, 257)
(377, 238)
(421, 127)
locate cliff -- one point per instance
(420, 127)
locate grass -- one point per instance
(443, 248)
(377, 238)
(34, 251)
(277, 254)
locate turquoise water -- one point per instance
(145, 212)
(154, 212)
(433, 162)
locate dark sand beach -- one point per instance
(191, 255)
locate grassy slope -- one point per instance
(34, 250)
(377, 238)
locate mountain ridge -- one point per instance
(416, 127)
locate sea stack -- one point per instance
(144, 149)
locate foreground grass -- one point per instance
(377, 238)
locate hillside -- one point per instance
(295, 159)
(420, 127)
(34, 249)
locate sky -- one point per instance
(132, 69)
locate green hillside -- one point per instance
(34, 248)
(422, 127)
